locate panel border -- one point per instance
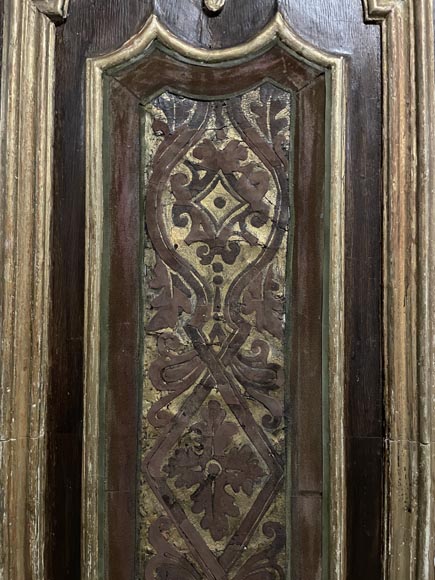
(409, 277)
(276, 30)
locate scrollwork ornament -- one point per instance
(217, 220)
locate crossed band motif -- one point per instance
(216, 377)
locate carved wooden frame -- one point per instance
(409, 270)
(26, 134)
(130, 52)
(56, 9)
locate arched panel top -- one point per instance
(276, 32)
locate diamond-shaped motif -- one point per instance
(216, 463)
(195, 466)
(219, 200)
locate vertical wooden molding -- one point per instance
(26, 130)
(409, 263)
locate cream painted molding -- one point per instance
(26, 132)
(133, 52)
(53, 8)
(409, 283)
(377, 10)
(214, 5)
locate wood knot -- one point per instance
(214, 5)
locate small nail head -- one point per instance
(214, 5)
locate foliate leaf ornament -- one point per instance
(214, 465)
(173, 298)
(214, 5)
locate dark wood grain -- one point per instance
(236, 23)
(91, 28)
(305, 401)
(339, 26)
(122, 363)
(97, 27)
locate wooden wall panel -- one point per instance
(389, 265)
